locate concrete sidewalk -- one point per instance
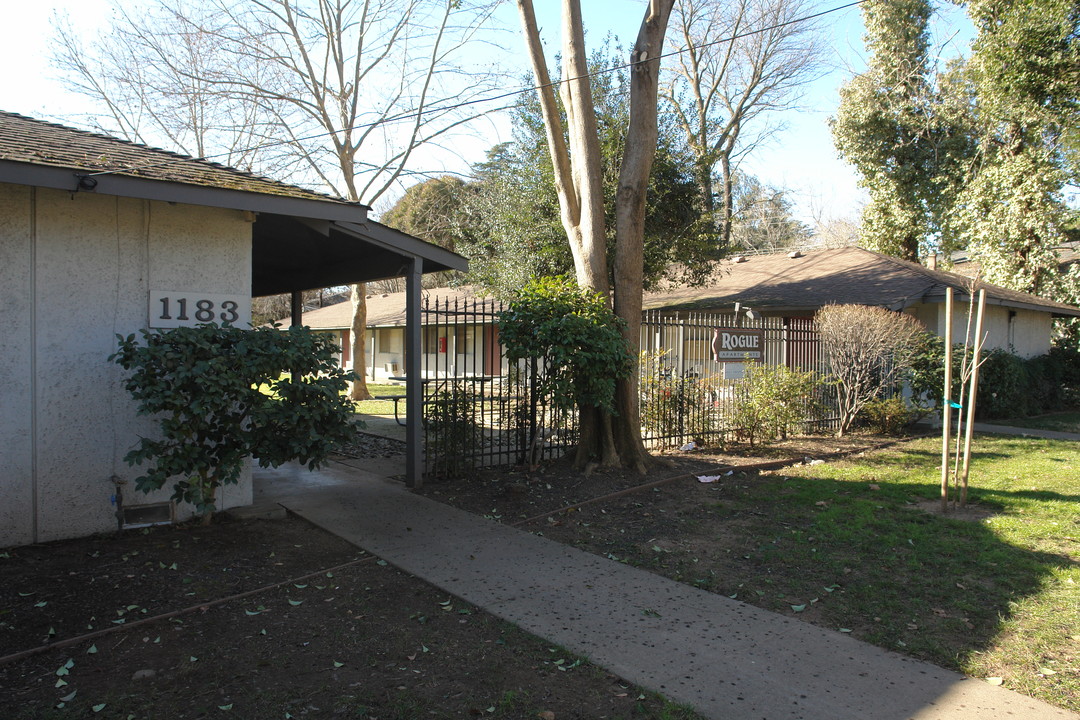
(726, 659)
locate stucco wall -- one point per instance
(1024, 332)
(76, 270)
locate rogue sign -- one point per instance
(737, 344)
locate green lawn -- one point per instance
(997, 596)
(1061, 422)
(381, 407)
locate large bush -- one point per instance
(674, 406)
(1009, 386)
(222, 395)
(577, 337)
(772, 401)
(870, 351)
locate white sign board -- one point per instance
(178, 308)
(737, 344)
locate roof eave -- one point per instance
(67, 179)
(397, 241)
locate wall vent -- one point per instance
(136, 516)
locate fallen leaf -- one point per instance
(995, 680)
(338, 664)
(98, 708)
(294, 603)
(1047, 671)
(875, 486)
(548, 715)
(225, 707)
(91, 650)
(69, 698)
(798, 608)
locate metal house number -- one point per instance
(171, 309)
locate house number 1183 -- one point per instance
(170, 309)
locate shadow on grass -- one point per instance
(864, 556)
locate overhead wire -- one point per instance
(415, 114)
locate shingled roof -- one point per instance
(300, 239)
(36, 142)
(802, 283)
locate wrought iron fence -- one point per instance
(688, 395)
(480, 410)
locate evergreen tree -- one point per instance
(899, 133)
(1025, 70)
(511, 228)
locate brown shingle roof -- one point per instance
(37, 142)
(844, 276)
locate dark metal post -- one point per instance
(296, 307)
(414, 389)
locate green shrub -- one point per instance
(452, 432)
(673, 406)
(1004, 386)
(224, 394)
(772, 401)
(889, 416)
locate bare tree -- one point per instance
(737, 64)
(575, 154)
(154, 76)
(869, 350)
(338, 94)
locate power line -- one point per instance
(415, 114)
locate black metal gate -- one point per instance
(479, 409)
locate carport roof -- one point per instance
(300, 239)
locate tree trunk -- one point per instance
(577, 165)
(630, 219)
(359, 340)
(727, 212)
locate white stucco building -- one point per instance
(100, 237)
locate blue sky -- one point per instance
(801, 159)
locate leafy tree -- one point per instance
(513, 228)
(1025, 71)
(578, 342)
(431, 210)
(763, 218)
(869, 350)
(224, 394)
(894, 127)
(574, 147)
